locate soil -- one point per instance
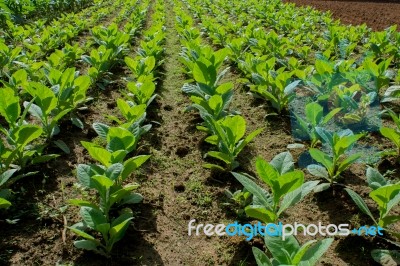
(377, 14)
(175, 186)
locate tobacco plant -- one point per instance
(100, 229)
(386, 197)
(287, 187)
(289, 251)
(314, 118)
(228, 135)
(337, 159)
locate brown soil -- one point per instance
(378, 15)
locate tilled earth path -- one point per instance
(377, 14)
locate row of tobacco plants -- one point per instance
(329, 78)
(44, 89)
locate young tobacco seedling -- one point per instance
(227, 135)
(45, 108)
(353, 101)
(289, 251)
(286, 184)
(142, 91)
(336, 162)
(278, 88)
(241, 199)
(107, 180)
(314, 118)
(141, 66)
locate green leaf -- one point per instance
(44, 158)
(61, 144)
(348, 161)
(81, 233)
(375, 179)
(9, 105)
(386, 257)
(213, 166)
(314, 113)
(27, 133)
(204, 74)
(287, 183)
(101, 130)
(260, 257)
(4, 204)
(98, 153)
(92, 216)
(360, 203)
(322, 158)
(283, 163)
(282, 250)
(296, 195)
(81, 203)
(300, 253)
(86, 244)
(266, 171)
(318, 171)
(261, 213)
(220, 156)
(118, 231)
(4, 177)
(314, 253)
(386, 197)
(114, 171)
(132, 164)
(253, 188)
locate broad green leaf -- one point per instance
(26, 134)
(253, 188)
(360, 203)
(85, 244)
(282, 250)
(9, 105)
(314, 113)
(98, 153)
(314, 253)
(283, 162)
(4, 204)
(118, 231)
(318, 171)
(386, 257)
(81, 203)
(260, 213)
(348, 161)
(266, 171)
(92, 216)
(4, 177)
(300, 253)
(220, 156)
(287, 183)
(375, 179)
(386, 197)
(322, 158)
(391, 134)
(132, 164)
(296, 195)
